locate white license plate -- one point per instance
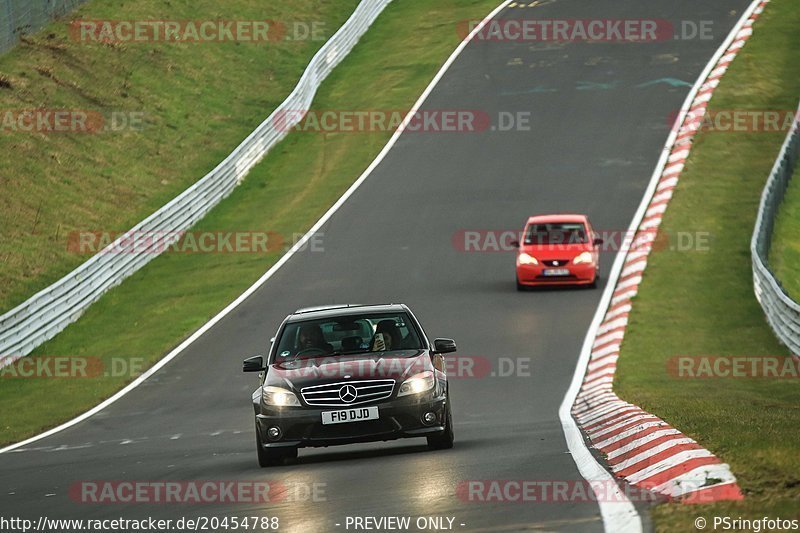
(556, 272)
(356, 414)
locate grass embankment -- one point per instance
(162, 304)
(192, 103)
(701, 303)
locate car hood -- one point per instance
(323, 370)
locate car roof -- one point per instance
(326, 311)
(544, 219)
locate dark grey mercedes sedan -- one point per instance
(350, 373)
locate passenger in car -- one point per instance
(391, 334)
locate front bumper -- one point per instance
(398, 418)
(532, 275)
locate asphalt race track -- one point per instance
(599, 119)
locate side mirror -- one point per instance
(254, 364)
(515, 244)
(444, 346)
(597, 240)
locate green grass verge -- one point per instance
(161, 305)
(784, 255)
(702, 303)
(198, 101)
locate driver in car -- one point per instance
(310, 337)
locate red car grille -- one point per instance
(555, 262)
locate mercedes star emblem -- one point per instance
(348, 394)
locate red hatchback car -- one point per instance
(557, 249)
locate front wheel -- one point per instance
(443, 441)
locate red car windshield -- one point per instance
(556, 233)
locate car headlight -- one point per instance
(280, 397)
(417, 383)
(527, 259)
(585, 257)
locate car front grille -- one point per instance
(555, 262)
(556, 279)
(346, 431)
(330, 395)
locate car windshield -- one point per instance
(556, 233)
(347, 334)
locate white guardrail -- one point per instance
(49, 311)
(783, 313)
